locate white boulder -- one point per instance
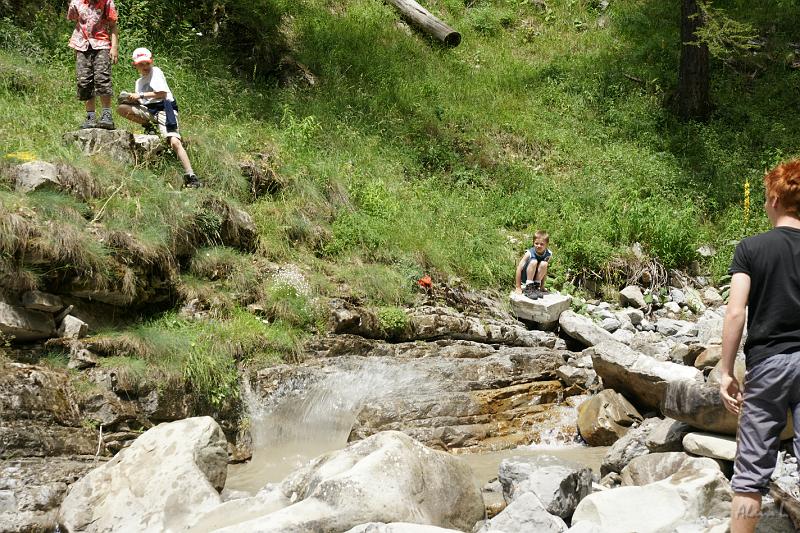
(169, 475)
(689, 494)
(545, 310)
(388, 477)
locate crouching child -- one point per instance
(532, 268)
(153, 106)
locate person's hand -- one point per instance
(731, 393)
(518, 290)
(114, 54)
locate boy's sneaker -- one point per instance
(89, 123)
(106, 122)
(529, 291)
(190, 181)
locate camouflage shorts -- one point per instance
(93, 68)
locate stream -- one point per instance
(302, 419)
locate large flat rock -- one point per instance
(25, 324)
(700, 406)
(543, 311)
(641, 378)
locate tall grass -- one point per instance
(407, 158)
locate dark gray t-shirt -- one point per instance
(772, 260)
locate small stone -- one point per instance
(634, 315)
(709, 358)
(36, 176)
(707, 251)
(631, 296)
(558, 484)
(710, 445)
(610, 324)
(677, 296)
(23, 324)
(667, 436)
(72, 328)
(672, 307)
(583, 329)
(631, 445)
(82, 358)
(694, 301)
(712, 297)
(624, 336)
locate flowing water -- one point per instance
(307, 417)
(303, 420)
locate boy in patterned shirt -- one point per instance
(95, 41)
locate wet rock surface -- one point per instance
(387, 478)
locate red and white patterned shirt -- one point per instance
(94, 20)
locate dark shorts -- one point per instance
(771, 388)
(93, 70)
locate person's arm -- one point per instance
(520, 268)
(732, 328)
(148, 95)
(114, 53)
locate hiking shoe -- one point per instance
(106, 122)
(537, 294)
(529, 291)
(190, 181)
(89, 123)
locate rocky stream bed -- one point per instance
(376, 432)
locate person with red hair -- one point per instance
(765, 289)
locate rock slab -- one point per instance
(641, 378)
(25, 324)
(543, 311)
(583, 329)
(526, 513)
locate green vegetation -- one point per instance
(203, 354)
(393, 320)
(402, 158)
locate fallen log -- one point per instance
(426, 22)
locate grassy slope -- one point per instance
(408, 158)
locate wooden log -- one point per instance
(427, 23)
(787, 502)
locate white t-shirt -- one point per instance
(153, 82)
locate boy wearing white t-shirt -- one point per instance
(153, 105)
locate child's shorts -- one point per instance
(93, 70)
(159, 119)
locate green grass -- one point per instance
(203, 355)
(408, 158)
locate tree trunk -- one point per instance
(427, 23)
(694, 77)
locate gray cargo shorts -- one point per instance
(93, 72)
(771, 388)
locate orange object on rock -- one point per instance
(425, 282)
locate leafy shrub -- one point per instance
(393, 320)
